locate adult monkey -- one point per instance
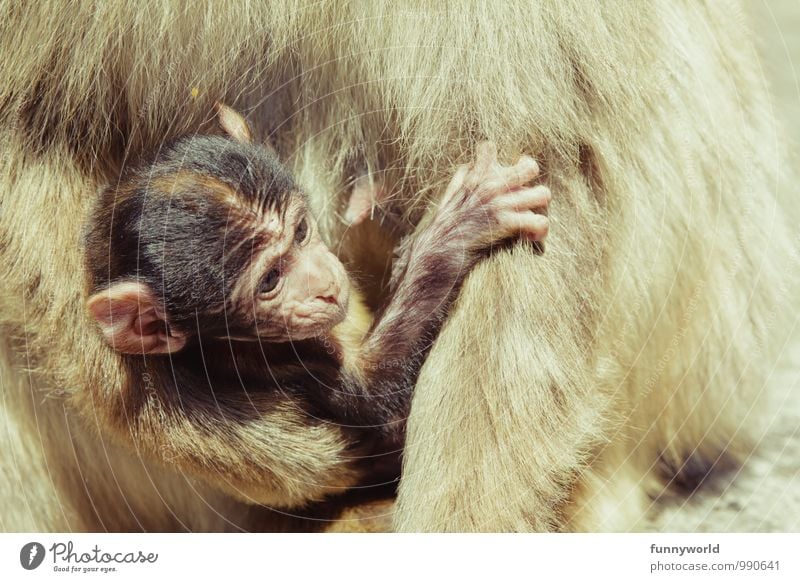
(631, 348)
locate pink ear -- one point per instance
(233, 123)
(133, 321)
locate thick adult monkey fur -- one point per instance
(565, 390)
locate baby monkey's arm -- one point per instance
(484, 204)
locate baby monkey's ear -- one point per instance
(233, 123)
(133, 321)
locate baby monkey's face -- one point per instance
(294, 287)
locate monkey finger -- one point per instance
(525, 199)
(504, 179)
(455, 184)
(485, 158)
(525, 170)
(527, 225)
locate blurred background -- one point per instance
(765, 494)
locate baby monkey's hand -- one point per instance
(487, 202)
(484, 204)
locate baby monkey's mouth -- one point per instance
(301, 324)
(305, 325)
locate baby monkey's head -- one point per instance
(212, 239)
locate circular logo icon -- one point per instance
(31, 555)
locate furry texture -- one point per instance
(563, 389)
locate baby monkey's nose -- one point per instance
(328, 298)
(330, 294)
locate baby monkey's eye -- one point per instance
(301, 233)
(270, 281)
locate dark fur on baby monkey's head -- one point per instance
(212, 238)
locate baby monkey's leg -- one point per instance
(484, 203)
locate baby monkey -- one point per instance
(210, 254)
